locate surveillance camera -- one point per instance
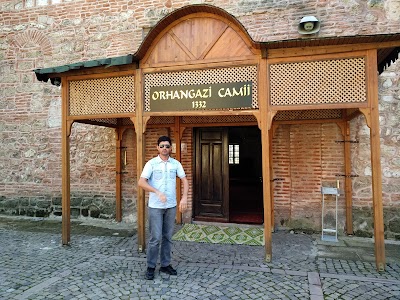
(308, 25)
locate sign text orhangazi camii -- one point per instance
(201, 97)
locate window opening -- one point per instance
(233, 154)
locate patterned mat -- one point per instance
(220, 234)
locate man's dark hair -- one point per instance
(164, 139)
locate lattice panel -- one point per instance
(127, 122)
(106, 121)
(318, 82)
(351, 111)
(308, 114)
(102, 96)
(161, 120)
(209, 76)
(217, 119)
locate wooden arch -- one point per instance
(184, 14)
(197, 39)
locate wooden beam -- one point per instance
(83, 74)
(265, 117)
(372, 81)
(203, 113)
(271, 186)
(65, 166)
(271, 129)
(198, 64)
(96, 123)
(306, 56)
(299, 122)
(225, 124)
(318, 106)
(177, 136)
(118, 170)
(214, 41)
(140, 147)
(301, 51)
(100, 116)
(367, 114)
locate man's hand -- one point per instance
(162, 197)
(183, 204)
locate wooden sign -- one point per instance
(201, 97)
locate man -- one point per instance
(159, 178)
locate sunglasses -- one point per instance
(166, 146)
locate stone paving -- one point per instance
(34, 265)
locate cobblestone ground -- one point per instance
(34, 265)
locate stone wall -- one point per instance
(389, 106)
(78, 30)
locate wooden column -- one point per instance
(265, 117)
(177, 135)
(118, 175)
(65, 165)
(347, 183)
(372, 81)
(271, 136)
(140, 156)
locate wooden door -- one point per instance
(211, 194)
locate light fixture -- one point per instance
(309, 25)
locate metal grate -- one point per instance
(102, 96)
(318, 82)
(218, 119)
(209, 76)
(308, 114)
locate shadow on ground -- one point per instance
(347, 247)
(92, 228)
(357, 249)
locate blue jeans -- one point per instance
(161, 225)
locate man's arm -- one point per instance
(144, 184)
(183, 204)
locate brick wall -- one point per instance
(306, 157)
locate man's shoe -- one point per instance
(169, 270)
(150, 273)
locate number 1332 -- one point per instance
(199, 104)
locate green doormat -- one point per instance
(220, 234)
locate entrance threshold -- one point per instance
(228, 224)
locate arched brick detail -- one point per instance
(32, 36)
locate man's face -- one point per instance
(164, 148)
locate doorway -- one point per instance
(228, 175)
(245, 175)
